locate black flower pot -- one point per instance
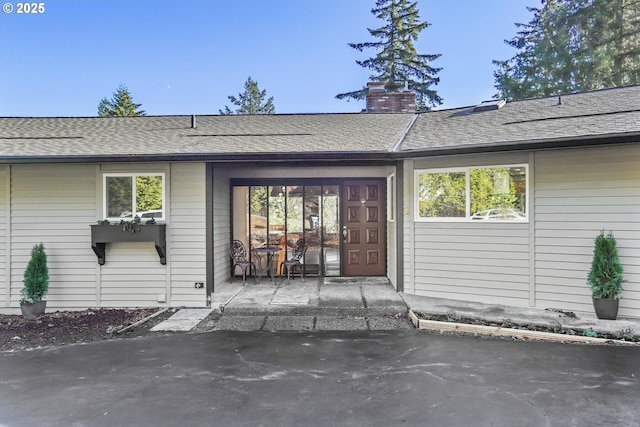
(31, 310)
(606, 308)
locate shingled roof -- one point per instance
(576, 119)
(214, 136)
(605, 116)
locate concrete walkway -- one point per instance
(322, 304)
(359, 303)
(549, 318)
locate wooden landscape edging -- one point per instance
(141, 321)
(496, 331)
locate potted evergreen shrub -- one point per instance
(605, 277)
(36, 284)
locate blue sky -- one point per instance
(188, 56)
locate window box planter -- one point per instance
(103, 234)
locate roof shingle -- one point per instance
(166, 135)
(591, 114)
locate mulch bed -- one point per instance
(69, 327)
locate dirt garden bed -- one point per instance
(69, 327)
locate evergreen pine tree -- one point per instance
(36, 276)
(573, 46)
(397, 60)
(120, 105)
(605, 276)
(251, 101)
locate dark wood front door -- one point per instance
(364, 232)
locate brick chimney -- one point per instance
(388, 98)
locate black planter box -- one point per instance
(103, 234)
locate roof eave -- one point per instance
(535, 144)
(335, 156)
(341, 156)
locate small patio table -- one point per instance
(267, 255)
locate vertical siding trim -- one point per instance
(167, 219)
(209, 255)
(531, 197)
(7, 242)
(407, 213)
(399, 224)
(99, 203)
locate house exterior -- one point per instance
(499, 203)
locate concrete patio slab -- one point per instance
(183, 321)
(240, 323)
(341, 323)
(289, 323)
(367, 303)
(552, 318)
(387, 324)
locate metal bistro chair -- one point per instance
(296, 257)
(238, 254)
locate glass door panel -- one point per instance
(277, 216)
(312, 234)
(331, 229)
(258, 216)
(294, 230)
(277, 212)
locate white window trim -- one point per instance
(467, 217)
(132, 175)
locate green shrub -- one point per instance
(605, 277)
(36, 276)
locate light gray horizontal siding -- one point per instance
(55, 204)
(221, 225)
(188, 234)
(579, 193)
(392, 255)
(472, 261)
(5, 280)
(132, 276)
(408, 225)
(407, 262)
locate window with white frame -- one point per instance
(487, 193)
(130, 195)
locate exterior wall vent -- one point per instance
(494, 104)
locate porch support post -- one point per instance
(209, 230)
(399, 217)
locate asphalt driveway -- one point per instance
(364, 378)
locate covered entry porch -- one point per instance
(344, 214)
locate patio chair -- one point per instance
(296, 259)
(238, 254)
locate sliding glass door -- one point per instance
(279, 215)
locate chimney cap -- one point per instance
(376, 85)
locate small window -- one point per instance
(494, 193)
(130, 195)
(498, 193)
(442, 194)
